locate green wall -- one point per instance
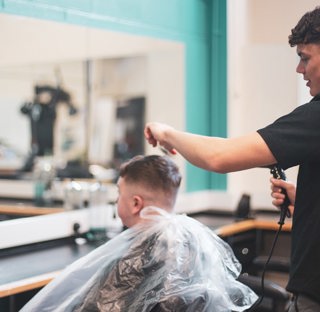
(200, 24)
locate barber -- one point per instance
(291, 140)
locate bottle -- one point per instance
(43, 176)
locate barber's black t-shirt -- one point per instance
(294, 139)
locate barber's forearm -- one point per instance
(219, 154)
(212, 153)
(202, 151)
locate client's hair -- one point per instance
(154, 172)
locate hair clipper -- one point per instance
(278, 173)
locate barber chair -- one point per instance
(275, 297)
(276, 264)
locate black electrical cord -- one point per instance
(258, 302)
(277, 173)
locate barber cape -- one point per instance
(167, 263)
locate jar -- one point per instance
(98, 208)
(73, 196)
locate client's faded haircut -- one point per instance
(154, 172)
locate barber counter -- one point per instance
(33, 249)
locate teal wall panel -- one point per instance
(218, 81)
(199, 24)
(198, 104)
(207, 111)
(172, 19)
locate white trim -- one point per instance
(30, 230)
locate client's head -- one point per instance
(146, 181)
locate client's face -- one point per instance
(125, 202)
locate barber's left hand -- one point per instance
(277, 194)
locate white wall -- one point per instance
(263, 84)
(165, 96)
(157, 75)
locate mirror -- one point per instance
(101, 87)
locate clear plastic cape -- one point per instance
(170, 262)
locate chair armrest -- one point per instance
(271, 289)
(277, 264)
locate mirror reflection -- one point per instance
(81, 96)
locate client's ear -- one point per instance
(138, 204)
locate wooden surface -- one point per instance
(16, 207)
(27, 210)
(26, 284)
(247, 225)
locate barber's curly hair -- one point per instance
(307, 30)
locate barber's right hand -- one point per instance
(156, 132)
(277, 194)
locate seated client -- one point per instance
(162, 262)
